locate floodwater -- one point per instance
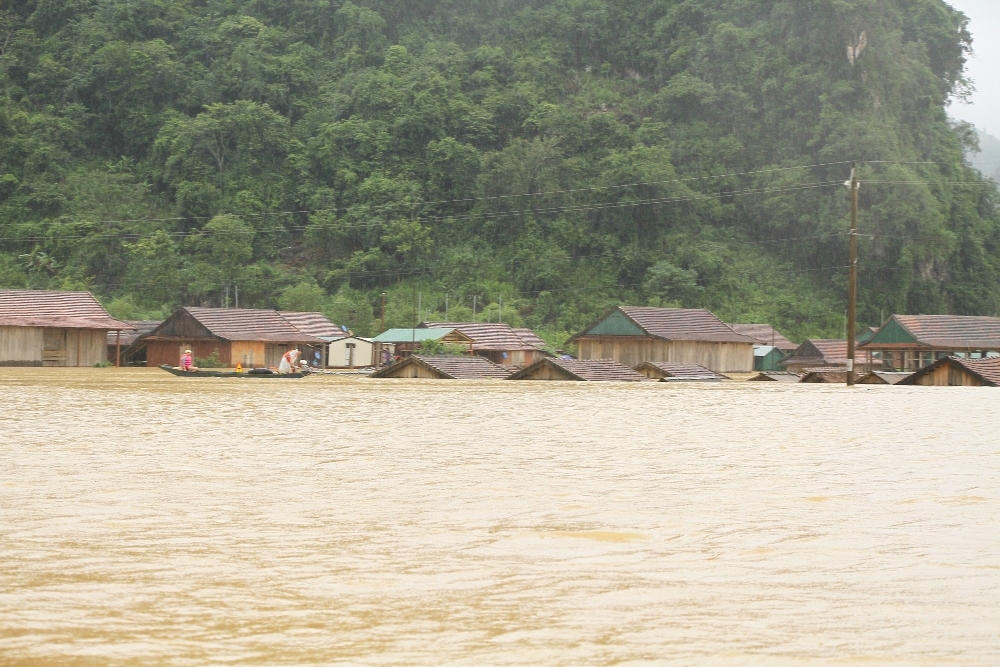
(147, 519)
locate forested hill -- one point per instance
(560, 155)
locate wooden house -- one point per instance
(882, 377)
(908, 343)
(579, 370)
(767, 358)
(957, 372)
(815, 353)
(320, 326)
(673, 372)
(128, 348)
(498, 342)
(251, 338)
(48, 328)
(632, 335)
(444, 367)
(765, 334)
(404, 342)
(776, 376)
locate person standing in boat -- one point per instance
(288, 360)
(187, 361)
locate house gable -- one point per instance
(891, 333)
(616, 324)
(182, 325)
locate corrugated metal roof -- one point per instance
(691, 324)
(587, 370)
(952, 331)
(765, 334)
(314, 324)
(487, 337)
(412, 335)
(250, 325)
(62, 310)
(674, 371)
(452, 367)
(140, 328)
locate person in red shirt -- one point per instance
(187, 361)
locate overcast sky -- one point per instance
(984, 68)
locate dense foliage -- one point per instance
(560, 156)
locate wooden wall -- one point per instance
(169, 351)
(37, 346)
(633, 350)
(948, 375)
(251, 354)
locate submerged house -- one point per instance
(957, 372)
(579, 370)
(251, 338)
(632, 335)
(404, 342)
(882, 377)
(498, 342)
(665, 371)
(320, 326)
(815, 353)
(130, 346)
(776, 376)
(49, 328)
(765, 334)
(444, 367)
(767, 358)
(911, 342)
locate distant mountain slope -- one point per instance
(987, 160)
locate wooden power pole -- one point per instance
(852, 278)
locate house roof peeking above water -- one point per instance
(55, 310)
(672, 324)
(678, 372)
(765, 334)
(444, 367)
(955, 371)
(487, 337)
(579, 370)
(418, 335)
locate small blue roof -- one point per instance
(411, 335)
(763, 350)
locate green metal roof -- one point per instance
(411, 335)
(616, 324)
(891, 332)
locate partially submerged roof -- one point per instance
(687, 324)
(314, 324)
(232, 324)
(825, 376)
(679, 372)
(775, 376)
(487, 337)
(583, 370)
(820, 353)
(140, 329)
(765, 334)
(415, 335)
(954, 332)
(60, 310)
(450, 367)
(883, 377)
(986, 370)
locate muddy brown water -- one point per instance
(147, 519)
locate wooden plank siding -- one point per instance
(634, 350)
(46, 346)
(947, 375)
(168, 351)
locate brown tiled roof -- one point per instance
(953, 331)
(988, 370)
(820, 352)
(587, 370)
(696, 324)
(765, 334)
(245, 324)
(486, 337)
(775, 376)
(62, 310)
(827, 375)
(529, 337)
(140, 328)
(452, 367)
(684, 372)
(882, 377)
(314, 324)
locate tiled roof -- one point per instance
(485, 336)
(530, 337)
(245, 324)
(587, 370)
(695, 324)
(765, 334)
(682, 372)
(62, 310)
(987, 370)
(775, 376)
(831, 353)
(314, 324)
(883, 377)
(827, 375)
(453, 367)
(140, 328)
(955, 331)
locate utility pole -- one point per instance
(500, 311)
(852, 277)
(383, 313)
(473, 308)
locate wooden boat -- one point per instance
(214, 373)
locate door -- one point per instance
(53, 347)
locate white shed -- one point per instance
(350, 352)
